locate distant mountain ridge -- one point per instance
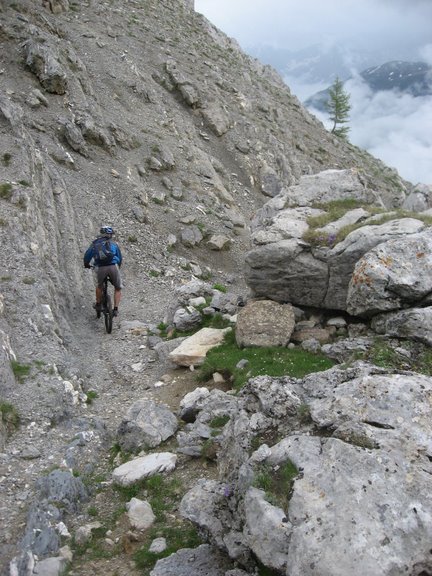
(413, 78)
(313, 64)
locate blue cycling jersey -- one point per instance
(91, 254)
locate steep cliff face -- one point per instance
(138, 113)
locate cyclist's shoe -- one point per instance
(115, 312)
(98, 309)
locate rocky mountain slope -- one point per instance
(142, 115)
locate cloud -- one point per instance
(426, 53)
(393, 127)
(395, 26)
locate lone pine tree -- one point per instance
(338, 106)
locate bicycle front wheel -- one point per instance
(108, 312)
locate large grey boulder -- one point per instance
(140, 514)
(393, 275)
(420, 199)
(328, 186)
(264, 323)
(344, 256)
(293, 271)
(146, 425)
(61, 487)
(216, 117)
(207, 414)
(286, 271)
(202, 561)
(44, 62)
(192, 351)
(143, 467)
(414, 324)
(54, 566)
(286, 266)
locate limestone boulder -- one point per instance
(292, 270)
(202, 561)
(192, 351)
(216, 117)
(393, 275)
(140, 514)
(146, 425)
(143, 467)
(414, 324)
(264, 323)
(44, 62)
(328, 186)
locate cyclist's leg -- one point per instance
(101, 274)
(98, 295)
(116, 280)
(117, 297)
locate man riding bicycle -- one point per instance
(107, 259)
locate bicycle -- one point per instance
(106, 306)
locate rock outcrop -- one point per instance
(350, 500)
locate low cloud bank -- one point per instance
(392, 126)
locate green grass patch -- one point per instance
(338, 208)
(266, 571)
(9, 415)
(91, 395)
(20, 371)
(215, 321)
(116, 454)
(384, 354)
(219, 287)
(219, 421)
(184, 535)
(303, 413)
(95, 548)
(163, 494)
(423, 361)
(277, 482)
(209, 449)
(273, 361)
(92, 511)
(333, 211)
(29, 280)
(7, 157)
(6, 191)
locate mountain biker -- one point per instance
(107, 259)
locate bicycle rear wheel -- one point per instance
(108, 314)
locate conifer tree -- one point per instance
(338, 106)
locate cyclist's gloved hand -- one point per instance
(86, 265)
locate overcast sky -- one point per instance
(402, 26)
(395, 128)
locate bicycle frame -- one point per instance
(107, 307)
